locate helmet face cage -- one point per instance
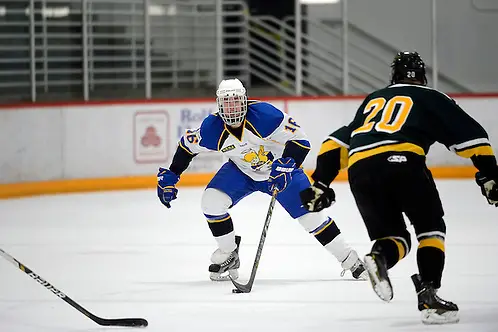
(232, 106)
(408, 66)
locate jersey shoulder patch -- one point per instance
(263, 118)
(211, 130)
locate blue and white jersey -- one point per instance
(265, 132)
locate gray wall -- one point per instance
(467, 33)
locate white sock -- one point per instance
(226, 243)
(339, 248)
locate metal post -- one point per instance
(32, 45)
(298, 48)
(246, 47)
(435, 70)
(84, 35)
(345, 48)
(133, 46)
(45, 48)
(175, 57)
(91, 62)
(283, 56)
(147, 60)
(194, 51)
(219, 41)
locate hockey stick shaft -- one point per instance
(131, 322)
(248, 287)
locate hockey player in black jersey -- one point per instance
(384, 148)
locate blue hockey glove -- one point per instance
(489, 188)
(281, 174)
(166, 190)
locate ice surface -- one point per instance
(122, 254)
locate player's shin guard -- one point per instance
(393, 248)
(431, 257)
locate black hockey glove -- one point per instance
(317, 197)
(489, 188)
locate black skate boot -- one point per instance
(379, 278)
(225, 264)
(434, 309)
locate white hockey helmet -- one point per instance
(232, 101)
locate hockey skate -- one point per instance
(377, 271)
(225, 264)
(355, 265)
(434, 309)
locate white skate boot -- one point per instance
(225, 264)
(355, 265)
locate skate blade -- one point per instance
(215, 276)
(382, 288)
(431, 317)
(363, 276)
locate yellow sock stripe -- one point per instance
(399, 244)
(401, 248)
(218, 220)
(435, 242)
(324, 227)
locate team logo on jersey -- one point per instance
(258, 159)
(397, 159)
(228, 148)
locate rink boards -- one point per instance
(52, 148)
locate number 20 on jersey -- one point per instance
(389, 121)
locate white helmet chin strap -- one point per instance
(232, 102)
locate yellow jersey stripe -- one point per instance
(344, 158)
(329, 146)
(484, 150)
(303, 146)
(401, 147)
(185, 148)
(220, 143)
(332, 145)
(257, 132)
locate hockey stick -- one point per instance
(130, 322)
(246, 288)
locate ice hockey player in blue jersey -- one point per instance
(265, 149)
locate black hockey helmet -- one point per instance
(408, 67)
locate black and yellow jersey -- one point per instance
(402, 118)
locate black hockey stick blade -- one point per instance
(246, 288)
(128, 322)
(241, 288)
